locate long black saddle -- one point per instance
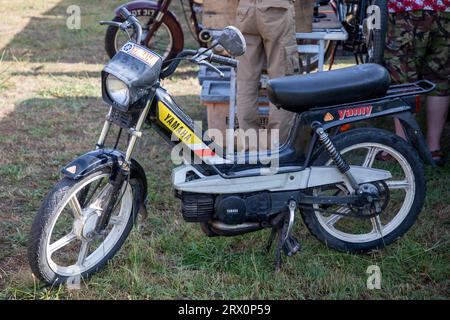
(303, 92)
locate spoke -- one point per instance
(377, 225)
(397, 184)
(64, 241)
(83, 252)
(370, 157)
(331, 221)
(103, 194)
(76, 207)
(88, 199)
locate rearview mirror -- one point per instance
(233, 41)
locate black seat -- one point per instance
(302, 92)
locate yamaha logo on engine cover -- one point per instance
(231, 209)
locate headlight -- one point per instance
(117, 90)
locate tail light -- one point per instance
(345, 127)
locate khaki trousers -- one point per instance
(269, 30)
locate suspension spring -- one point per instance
(335, 155)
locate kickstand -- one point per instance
(277, 224)
(281, 236)
(286, 242)
(272, 236)
(279, 229)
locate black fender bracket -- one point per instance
(415, 136)
(91, 161)
(98, 159)
(102, 158)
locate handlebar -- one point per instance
(174, 64)
(223, 60)
(200, 57)
(195, 53)
(127, 16)
(129, 20)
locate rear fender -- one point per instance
(415, 136)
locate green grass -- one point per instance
(56, 114)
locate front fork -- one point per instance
(121, 171)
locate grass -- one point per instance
(51, 111)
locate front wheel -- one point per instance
(64, 246)
(345, 228)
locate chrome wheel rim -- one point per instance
(379, 229)
(84, 221)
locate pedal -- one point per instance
(291, 246)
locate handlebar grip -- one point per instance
(127, 16)
(224, 60)
(124, 13)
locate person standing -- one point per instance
(269, 30)
(418, 47)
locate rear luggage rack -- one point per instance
(417, 88)
(409, 89)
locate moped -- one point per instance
(348, 198)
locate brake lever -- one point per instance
(110, 23)
(125, 25)
(210, 66)
(122, 25)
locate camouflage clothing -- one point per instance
(412, 5)
(418, 47)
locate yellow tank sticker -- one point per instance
(175, 125)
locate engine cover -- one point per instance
(231, 209)
(197, 207)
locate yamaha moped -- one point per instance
(349, 197)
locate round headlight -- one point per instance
(117, 90)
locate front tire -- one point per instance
(404, 202)
(70, 220)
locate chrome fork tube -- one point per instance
(136, 132)
(105, 130)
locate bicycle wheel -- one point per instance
(167, 41)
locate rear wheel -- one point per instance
(401, 197)
(64, 246)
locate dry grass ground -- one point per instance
(51, 111)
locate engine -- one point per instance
(230, 209)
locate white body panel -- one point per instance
(308, 178)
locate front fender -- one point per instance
(99, 159)
(138, 7)
(145, 8)
(91, 161)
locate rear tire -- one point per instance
(377, 137)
